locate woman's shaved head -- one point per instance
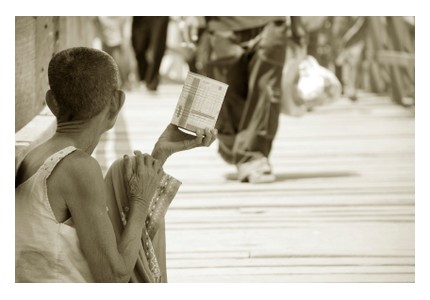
(82, 80)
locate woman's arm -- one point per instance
(84, 192)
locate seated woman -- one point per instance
(71, 224)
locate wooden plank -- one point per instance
(212, 201)
(301, 238)
(283, 214)
(180, 276)
(215, 260)
(292, 270)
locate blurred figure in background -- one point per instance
(115, 36)
(348, 42)
(337, 43)
(192, 29)
(248, 54)
(179, 57)
(148, 36)
(318, 29)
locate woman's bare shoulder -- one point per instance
(76, 176)
(79, 165)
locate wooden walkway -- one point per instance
(342, 208)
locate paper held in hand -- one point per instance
(199, 103)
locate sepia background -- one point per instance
(342, 208)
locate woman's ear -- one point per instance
(52, 103)
(115, 105)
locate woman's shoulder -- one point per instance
(33, 161)
(77, 171)
(63, 160)
(80, 163)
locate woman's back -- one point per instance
(46, 250)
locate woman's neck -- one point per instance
(84, 135)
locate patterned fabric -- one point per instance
(150, 265)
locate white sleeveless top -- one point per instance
(45, 250)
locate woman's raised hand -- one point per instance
(173, 140)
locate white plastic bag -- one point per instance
(311, 84)
(306, 84)
(316, 85)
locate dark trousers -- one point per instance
(251, 63)
(148, 38)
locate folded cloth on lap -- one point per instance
(151, 261)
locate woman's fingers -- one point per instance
(137, 152)
(193, 142)
(139, 161)
(210, 136)
(146, 161)
(128, 167)
(200, 136)
(143, 161)
(156, 164)
(214, 135)
(203, 138)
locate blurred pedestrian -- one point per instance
(114, 38)
(149, 34)
(248, 54)
(318, 32)
(348, 46)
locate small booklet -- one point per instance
(199, 103)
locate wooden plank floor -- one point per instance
(341, 209)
